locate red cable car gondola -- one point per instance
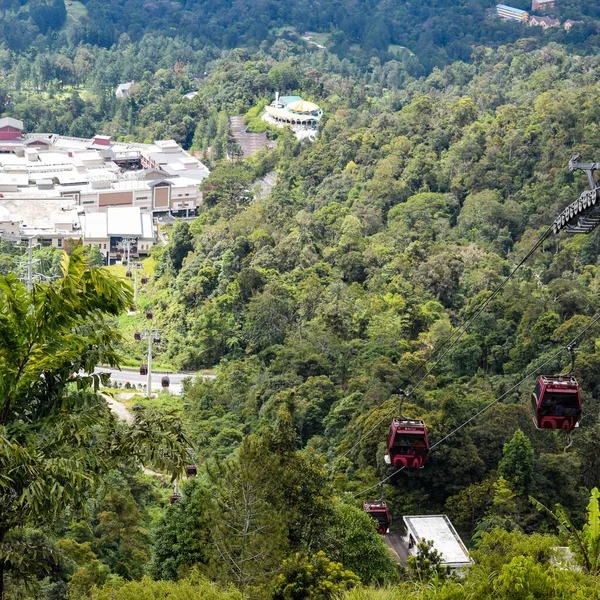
(556, 402)
(191, 470)
(174, 497)
(128, 273)
(143, 370)
(137, 336)
(144, 280)
(408, 444)
(378, 510)
(149, 314)
(165, 382)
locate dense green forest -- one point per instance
(315, 300)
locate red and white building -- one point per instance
(10, 129)
(542, 4)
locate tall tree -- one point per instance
(517, 463)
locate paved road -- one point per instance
(397, 546)
(133, 376)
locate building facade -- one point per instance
(292, 110)
(508, 13)
(545, 22)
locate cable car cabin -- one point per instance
(156, 340)
(137, 336)
(556, 402)
(165, 382)
(144, 280)
(378, 510)
(143, 370)
(174, 498)
(149, 314)
(408, 444)
(128, 273)
(191, 470)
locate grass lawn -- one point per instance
(134, 353)
(75, 10)
(319, 38)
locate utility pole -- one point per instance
(149, 379)
(135, 268)
(29, 264)
(18, 239)
(152, 335)
(125, 246)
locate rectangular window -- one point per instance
(59, 243)
(105, 246)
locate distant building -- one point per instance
(439, 530)
(52, 223)
(10, 129)
(107, 230)
(123, 89)
(160, 178)
(545, 22)
(508, 13)
(568, 24)
(542, 4)
(292, 110)
(190, 95)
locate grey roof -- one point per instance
(439, 530)
(10, 122)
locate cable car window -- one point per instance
(380, 517)
(410, 441)
(552, 399)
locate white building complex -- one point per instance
(300, 115)
(45, 178)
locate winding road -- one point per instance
(133, 376)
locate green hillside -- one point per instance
(399, 265)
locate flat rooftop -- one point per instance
(41, 213)
(439, 530)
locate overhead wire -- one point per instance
(499, 399)
(456, 336)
